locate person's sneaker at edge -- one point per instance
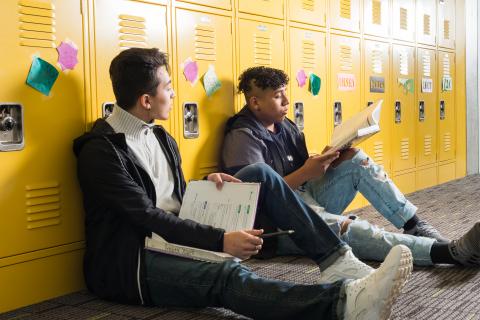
(466, 250)
(347, 266)
(424, 229)
(372, 297)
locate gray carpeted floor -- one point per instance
(441, 292)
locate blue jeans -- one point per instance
(179, 282)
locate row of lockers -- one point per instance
(40, 200)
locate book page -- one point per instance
(232, 208)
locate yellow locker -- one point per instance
(222, 4)
(204, 39)
(404, 20)
(426, 21)
(446, 106)
(446, 172)
(446, 24)
(376, 17)
(40, 200)
(307, 55)
(308, 11)
(376, 79)
(267, 8)
(405, 182)
(426, 108)
(403, 107)
(345, 15)
(119, 25)
(426, 178)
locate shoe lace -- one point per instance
(427, 229)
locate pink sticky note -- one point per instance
(190, 70)
(67, 55)
(301, 78)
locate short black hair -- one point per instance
(261, 77)
(134, 72)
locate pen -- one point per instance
(274, 234)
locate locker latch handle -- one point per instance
(190, 120)
(398, 112)
(369, 103)
(421, 111)
(337, 113)
(299, 116)
(442, 110)
(11, 127)
(107, 109)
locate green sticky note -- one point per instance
(315, 84)
(210, 81)
(42, 76)
(408, 84)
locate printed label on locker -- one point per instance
(447, 83)
(346, 82)
(427, 85)
(377, 84)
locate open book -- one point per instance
(232, 208)
(358, 128)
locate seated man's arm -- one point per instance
(105, 182)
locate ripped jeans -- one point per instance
(331, 194)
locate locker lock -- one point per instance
(190, 120)
(107, 109)
(398, 112)
(421, 111)
(442, 110)
(11, 127)
(337, 113)
(298, 113)
(7, 122)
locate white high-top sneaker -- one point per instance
(346, 266)
(372, 297)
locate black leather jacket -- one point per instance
(119, 200)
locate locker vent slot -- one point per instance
(308, 5)
(37, 24)
(346, 59)
(404, 149)
(205, 43)
(378, 152)
(376, 12)
(426, 62)
(262, 44)
(42, 203)
(404, 63)
(132, 32)
(447, 142)
(426, 24)
(308, 54)
(446, 29)
(403, 19)
(446, 65)
(377, 65)
(427, 145)
(345, 9)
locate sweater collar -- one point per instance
(124, 122)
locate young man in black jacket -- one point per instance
(130, 174)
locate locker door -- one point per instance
(308, 11)
(267, 8)
(222, 4)
(207, 40)
(404, 20)
(426, 21)
(307, 53)
(119, 25)
(345, 15)
(446, 23)
(426, 108)
(261, 44)
(377, 75)
(446, 106)
(376, 17)
(344, 78)
(403, 108)
(40, 200)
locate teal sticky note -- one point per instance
(211, 83)
(315, 84)
(42, 76)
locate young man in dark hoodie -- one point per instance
(261, 133)
(130, 174)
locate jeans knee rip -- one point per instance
(376, 171)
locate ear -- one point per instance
(253, 103)
(144, 101)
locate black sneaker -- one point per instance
(466, 250)
(424, 229)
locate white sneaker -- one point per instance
(346, 266)
(371, 298)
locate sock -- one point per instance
(411, 223)
(441, 254)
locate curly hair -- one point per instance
(261, 77)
